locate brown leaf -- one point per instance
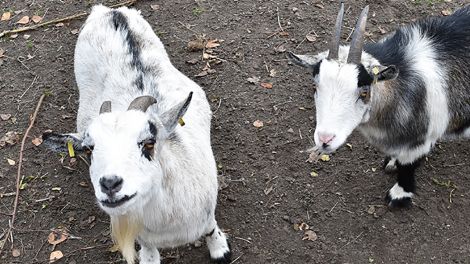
(196, 45)
(55, 255)
(310, 235)
(15, 252)
(201, 74)
(311, 37)
(266, 85)
(13, 36)
(6, 16)
(155, 7)
(74, 31)
(37, 141)
(24, 20)
(36, 19)
(83, 184)
(57, 236)
(258, 123)
(446, 12)
(60, 24)
(212, 43)
(4, 117)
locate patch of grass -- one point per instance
(198, 11)
(29, 44)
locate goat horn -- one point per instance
(355, 50)
(105, 107)
(142, 103)
(334, 45)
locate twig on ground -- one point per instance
(236, 259)
(18, 175)
(279, 19)
(243, 239)
(54, 21)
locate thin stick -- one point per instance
(279, 19)
(54, 21)
(18, 175)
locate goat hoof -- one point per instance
(226, 258)
(403, 202)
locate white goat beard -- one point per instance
(124, 231)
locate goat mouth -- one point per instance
(113, 203)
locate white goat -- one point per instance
(156, 179)
(403, 93)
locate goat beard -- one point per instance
(124, 231)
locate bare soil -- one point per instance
(268, 189)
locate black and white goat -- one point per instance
(403, 93)
(156, 179)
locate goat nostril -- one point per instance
(111, 185)
(326, 139)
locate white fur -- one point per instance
(391, 165)
(397, 193)
(176, 193)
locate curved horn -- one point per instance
(105, 107)
(334, 45)
(142, 103)
(355, 50)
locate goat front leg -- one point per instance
(149, 255)
(399, 196)
(219, 248)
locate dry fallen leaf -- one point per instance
(320, 6)
(13, 36)
(4, 117)
(253, 80)
(314, 174)
(258, 124)
(266, 85)
(74, 31)
(59, 24)
(57, 236)
(55, 255)
(196, 45)
(272, 73)
(310, 235)
(155, 7)
(11, 162)
(382, 31)
(446, 12)
(36, 19)
(11, 138)
(280, 49)
(6, 16)
(311, 37)
(15, 252)
(24, 20)
(212, 43)
(304, 226)
(371, 209)
(37, 141)
(284, 34)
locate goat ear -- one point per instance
(307, 61)
(172, 117)
(58, 142)
(388, 73)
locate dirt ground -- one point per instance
(268, 188)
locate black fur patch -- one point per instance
(316, 68)
(120, 23)
(211, 233)
(153, 129)
(364, 78)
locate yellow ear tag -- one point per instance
(70, 148)
(375, 71)
(181, 121)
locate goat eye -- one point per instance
(364, 93)
(147, 144)
(89, 150)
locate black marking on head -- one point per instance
(120, 23)
(153, 129)
(210, 233)
(316, 68)
(364, 78)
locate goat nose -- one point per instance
(111, 184)
(325, 138)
